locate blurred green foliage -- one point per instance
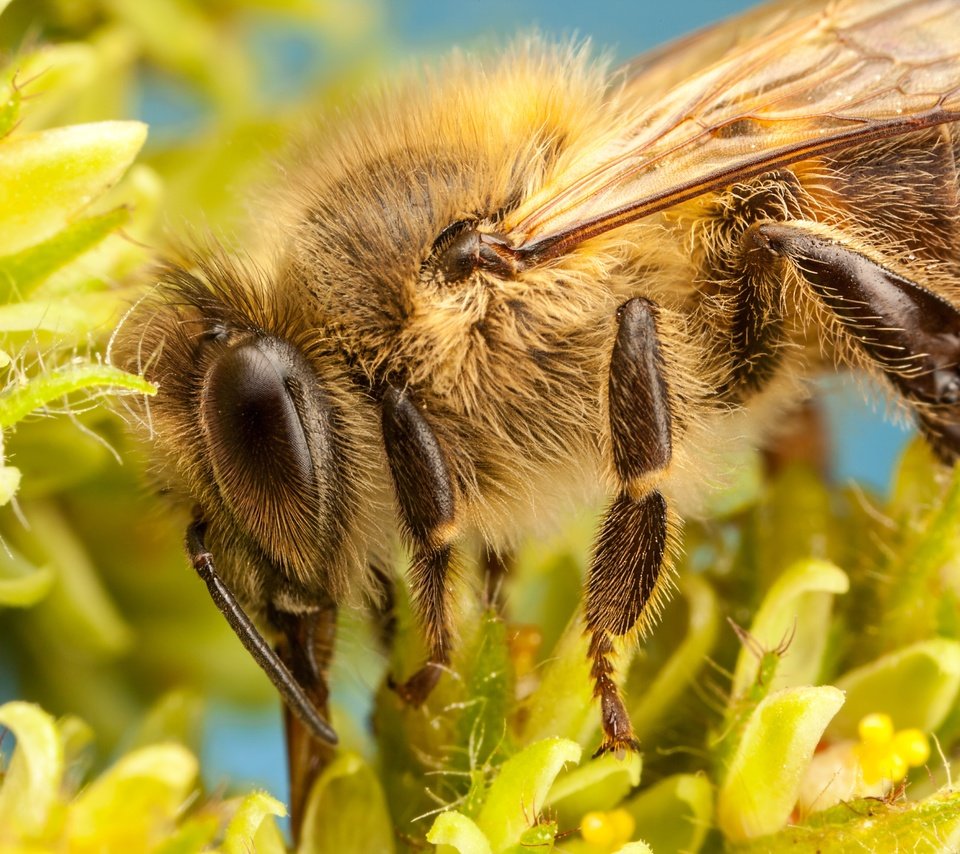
(113, 619)
(839, 605)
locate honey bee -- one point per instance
(528, 280)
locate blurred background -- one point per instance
(220, 84)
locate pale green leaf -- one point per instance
(31, 784)
(250, 827)
(518, 793)
(453, 831)
(17, 403)
(65, 318)
(176, 716)
(141, 193)
(52, 76)
(654, 701)
(135, 801)
(76, 736)
(78, 609)
(192, 836)
(931, 826)
(674, 814)
(10, 101)
(10, 477)
(48, 176)
(563, 702)
(27, 590)
(917, 686)
(21, 582)
(56, 439)
(346, 811)
(763, 778)
(22, 272)
(599, 784)
(794, 613)
(485, 672)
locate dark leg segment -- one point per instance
(306, 645)
(622, 587)
(632, 543)
(909, 332)
(384, 606)
(496, 569)
(427, 502)
(640, 423)
(756, 334)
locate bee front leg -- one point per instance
(626, 581)
(910, 333)
(425, 493)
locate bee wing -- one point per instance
(804, 83)
(655, 72)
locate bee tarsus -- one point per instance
(417, 688)
(618, 736)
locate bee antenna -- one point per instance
(281, 677)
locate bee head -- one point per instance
(255, 425)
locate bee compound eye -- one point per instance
(254, 426)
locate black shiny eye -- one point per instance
(251, 416)
(259, 415)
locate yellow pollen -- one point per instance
(607, 830)
(885, 754)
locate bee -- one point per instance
(524, 281)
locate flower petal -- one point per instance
(763, 778)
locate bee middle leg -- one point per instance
(626, 578)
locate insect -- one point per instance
(528, 279)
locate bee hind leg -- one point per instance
(626, 581)
(910, 333)
(426, 497)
